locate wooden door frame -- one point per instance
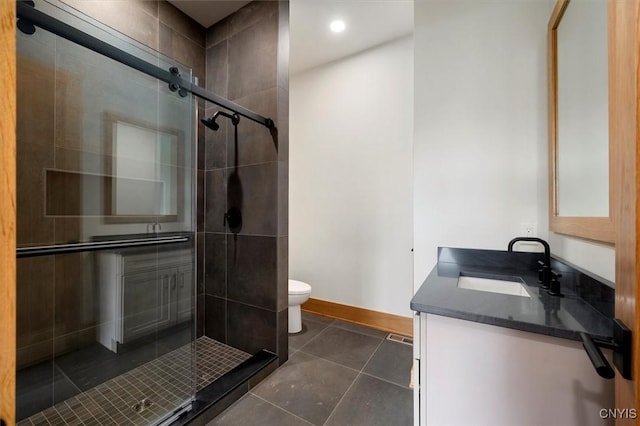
(7, 211)
(624, 42)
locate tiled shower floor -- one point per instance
(163, 384)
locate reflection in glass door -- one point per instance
(105, 169)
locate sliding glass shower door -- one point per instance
(106, 260)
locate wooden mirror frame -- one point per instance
(110, 216)
(593, 228)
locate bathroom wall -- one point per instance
(597, 258)
(481, 138)
(480, 154)
(246, 266)
(57, 293)
(480, 131)
(351, 178)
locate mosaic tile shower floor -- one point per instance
(147, 393)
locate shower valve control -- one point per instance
(233, 218)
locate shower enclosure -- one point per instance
(106, 184)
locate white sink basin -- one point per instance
(513, 288)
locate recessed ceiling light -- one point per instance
(337, 26)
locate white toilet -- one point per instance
(298, 294)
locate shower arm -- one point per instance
(172, 77)
(235, 118)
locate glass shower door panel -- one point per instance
(146, 297)
(38, 383)
(105, 152)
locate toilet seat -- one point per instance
(298, 287)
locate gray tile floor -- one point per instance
(338, 374)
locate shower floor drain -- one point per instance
(400, 339)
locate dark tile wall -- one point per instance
(56, 300)
(241, 276)
(246, 267)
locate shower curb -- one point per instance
(219, 395)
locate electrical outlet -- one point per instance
(528, 229)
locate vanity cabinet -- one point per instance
(467, 372)
(184, 290)
(142, 293)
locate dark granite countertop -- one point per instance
(563, 317)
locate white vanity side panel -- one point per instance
(423, 370)
(418, 374)
(487, 375)
(109, 275)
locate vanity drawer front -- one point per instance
(149, 261)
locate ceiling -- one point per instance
(368, 23)
(208, 12)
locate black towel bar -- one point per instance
(97, 245)
(621, 345)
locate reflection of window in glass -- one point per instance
(145, 176)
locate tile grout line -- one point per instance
(280, 408)
(313, 338)
(92, 413)
(352, 383)
(359, 332)
(332, 324)
(341, 399)
(293, 350)
(110, 402)
(64, 374)
(127, 386)
(358, 372)
(334, 362)
(371, 356)
(387, 381)
(329, 361)
(381, 378)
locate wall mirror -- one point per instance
(579, 151)
(146, 173)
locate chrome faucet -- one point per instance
(155, 227)
(544, 273)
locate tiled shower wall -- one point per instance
(53, 288)
(154, 23)
(246, 267)
(244, 302)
